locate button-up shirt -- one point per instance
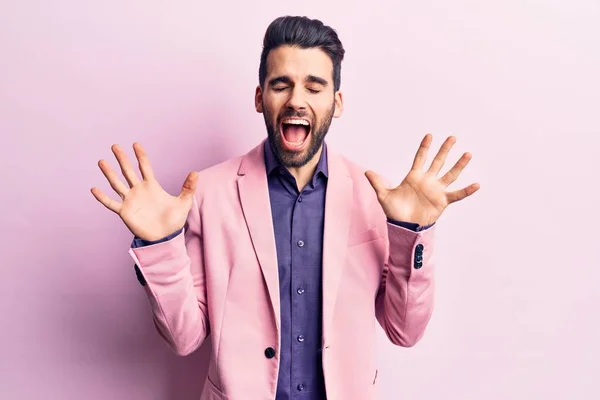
(298, 219)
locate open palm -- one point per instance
(147, 210)
(422, 197)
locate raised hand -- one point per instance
(147, 210)
(422, 197)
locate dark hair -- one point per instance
(304, 33)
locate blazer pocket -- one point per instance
(363, 237)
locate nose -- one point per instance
(296, 100)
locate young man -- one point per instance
(288, 256)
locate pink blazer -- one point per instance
(221, 278)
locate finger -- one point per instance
(458, 195)
(455, 171)
(421, 155)
(126, 167)
(440, 157)
(189, 186)
(109, 203)
(377, 183)
(113, 179)
(143, 161)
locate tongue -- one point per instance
(294, 133)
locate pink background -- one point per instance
(518, 267)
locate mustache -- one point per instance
(293, 114)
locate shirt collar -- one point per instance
(272, 163)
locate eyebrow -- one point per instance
(287, 80)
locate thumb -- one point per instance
(377, 182)
(189, 186)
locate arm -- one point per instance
(404, 302)
(139, 242)
(173, 275)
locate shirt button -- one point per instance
(300, 199)
(300, 290)
(301, 338)
(300, 243)
(300, 387)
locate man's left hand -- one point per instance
(422, 197)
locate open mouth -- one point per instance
(295, 132)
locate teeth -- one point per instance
(296, 122)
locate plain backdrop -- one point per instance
(517, 82)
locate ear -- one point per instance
(258, 99)
(339, 104)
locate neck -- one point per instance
(305, 173)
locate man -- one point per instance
(288, 255)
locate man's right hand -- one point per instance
(148, 211)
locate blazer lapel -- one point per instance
(338, 209)
(254, 197)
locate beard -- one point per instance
(292, 159)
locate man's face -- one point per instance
(298, 102)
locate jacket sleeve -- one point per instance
(404, 302)
(174, 280)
